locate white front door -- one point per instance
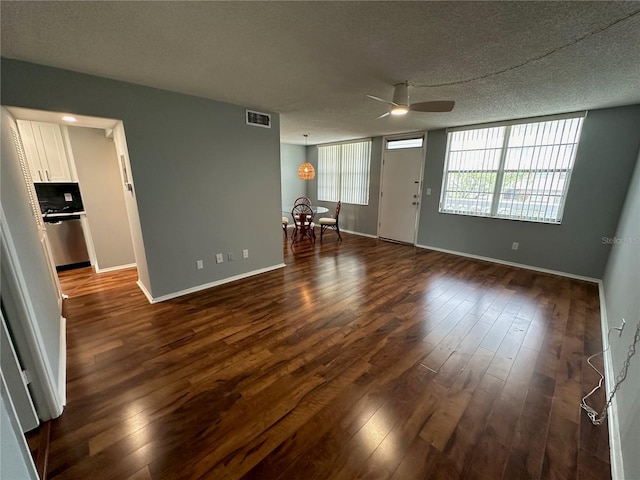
(400, 194)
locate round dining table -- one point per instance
(315, 208)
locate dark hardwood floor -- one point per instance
(360, 359)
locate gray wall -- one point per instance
(354, 218)
(621, 285)
(98, 171)
(205, 181)
(604, 163)
(291, 157)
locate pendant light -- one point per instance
(306, 170)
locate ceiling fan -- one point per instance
(400, 104)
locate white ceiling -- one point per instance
(313, 62)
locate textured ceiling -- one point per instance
(313, 62)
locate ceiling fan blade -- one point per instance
(389, 102)
(383, 115)
(435, 106)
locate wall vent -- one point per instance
(258, 119)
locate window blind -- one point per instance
(343, 172)
(513, 171)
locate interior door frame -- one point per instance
(403, 136)
(12, 371)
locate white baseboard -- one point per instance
(145, 291)
(205, 286)
(512, 264)
(349, 231)
(359, 233)
(113, 269)
(62, 367)
(613, 419)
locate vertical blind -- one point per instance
(472, 168)
(515, 171)
(343, 172)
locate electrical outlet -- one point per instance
(515, 246)
(219, 258)
(230, 256)
(245, 253)
(199, 265)
(428, 191)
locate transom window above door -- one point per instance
(399, 143)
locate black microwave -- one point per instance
(59, 197)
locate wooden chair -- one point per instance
(302, 200)
(331, 223)
(303, 223)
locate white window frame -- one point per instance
(496, 193)
(404, 142)
(338, 187)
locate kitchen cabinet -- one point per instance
(44, 148)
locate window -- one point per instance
(515, 171)
(405, 143)
(343, 172)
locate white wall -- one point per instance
(131, 205)
(15, 459)
(28, 294)
(98, 174)
(622, 299)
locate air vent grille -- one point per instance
(258, 119)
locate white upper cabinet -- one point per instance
(44, 148)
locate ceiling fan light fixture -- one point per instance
(400, 105)
(399, 110)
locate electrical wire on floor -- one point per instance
(599, 418)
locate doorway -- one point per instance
(400, 188)
(97, 156)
